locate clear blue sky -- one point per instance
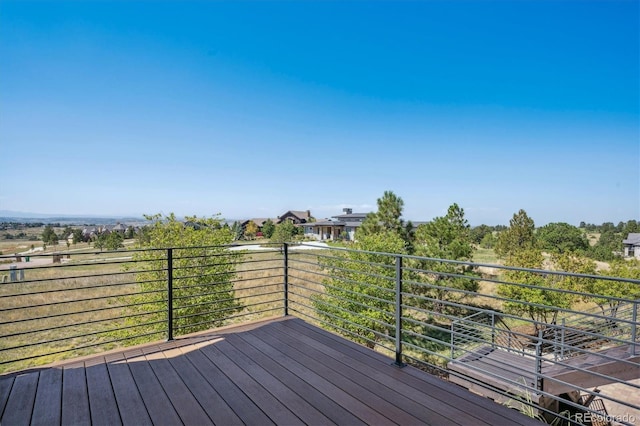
(252, 109)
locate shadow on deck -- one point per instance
(282, 371)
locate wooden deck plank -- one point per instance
(348, 381)
(75, 398)
(256, 349)
(447, 393)
(6, 383)
(130, 404)
(20, 403)
(273, 384)
(234, 397)
(276, 411)
(274, 372)
(158, 405)
(383, 397)
(102, 400)
(177, 391)
(47, 409)
(206, 395)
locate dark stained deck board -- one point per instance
(280, 389)
(47, 408)
(237, 400)
(376, 395)
(75, 397)
(281, 371)
(447, 394)
(102, 400)
(277, 412)
(155, 399)
(130, 404)
(206, 395)
(186, 405)
(20, 403)
(386, 374)
(251, 346)
(5, 389)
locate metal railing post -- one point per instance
(562, 338)
(453, 343)
(285, 251)
(493, 330)
(539, 361)
(169, 294)
(399, 362)
(634, 330)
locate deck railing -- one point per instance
(440, 315)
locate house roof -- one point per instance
(259, 221)
(351, 216)
(632, 239)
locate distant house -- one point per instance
(342, 226)
(296, 216)
(258, 221)
(632, 246)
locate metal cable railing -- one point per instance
(479, 332)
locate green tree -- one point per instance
(268, 228)
(388, 217)
(78, 237)
(203, 272)
(284, 232)
(49, 235)
(608, 246)
(114, 241)
(358, 301)
(532, 294)
(101, 241)
(488, 241)
(561, 237)
(130, 233)
(478, 233)
(619, 268)
(519, 236)
(66, 232)
(448, 238)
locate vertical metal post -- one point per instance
(493, 329)
(169, 294)
(453, 343)
(539, 361)
(285, 251)
(399, 362)
(562, 338)
(634, 330)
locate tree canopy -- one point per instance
(388, 217)
(519, 236)
(561, 237)
(203, 273)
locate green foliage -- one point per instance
(489, 241)
(358, 301)
(449, 238)
(49, 236)
(540, 293)
(268, 228)
(130, 233)
(478, 233)
(622, 269)
(203, 274)
(561, 237)
(77, 236)
(607, 246)
(284, 232)
(388, 217)
(114, 241)
(519, 236)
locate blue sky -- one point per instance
(252, 109)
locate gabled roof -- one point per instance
(632, 239)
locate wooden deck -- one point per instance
(283, 372)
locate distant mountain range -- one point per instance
(14, 216)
